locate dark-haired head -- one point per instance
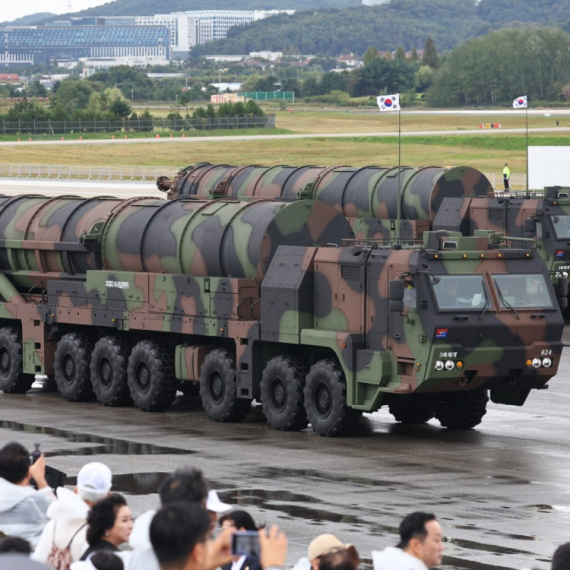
(240, 520)
(103, 517)
(14, 462)
(15, 544)
(340, 559)
(186, 485)
(414, 526)
(178, 532)
(106, 561)
(561, 558)
(421, 537)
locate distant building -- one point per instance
(374, 2)
(9, 78)
(197, 27)
(44, 44)
(268, 55)
(227, 98)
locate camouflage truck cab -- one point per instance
(131, 300)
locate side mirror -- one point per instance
(397, 290)
(529, 228)
(563, 302)
(562, 287)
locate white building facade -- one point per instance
(189, 29)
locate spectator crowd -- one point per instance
(91, 528)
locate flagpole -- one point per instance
(399, 212)
(526, 109)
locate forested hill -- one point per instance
(149, 7)
(332, 32)
(401, 22)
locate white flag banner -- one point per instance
(389, 102)
(520, 102)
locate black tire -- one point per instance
(411, 410)
(282, 396)
(150, 376)
(462, 410)
(71, 365)
(109, 371)
(325, 400)
(218, 388)
(12, 378)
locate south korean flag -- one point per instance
(389, 102)
(520, 102)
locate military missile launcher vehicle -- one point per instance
(131, 300)
(431, 198)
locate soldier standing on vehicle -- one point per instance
(507, 177)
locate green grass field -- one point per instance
(485, 152)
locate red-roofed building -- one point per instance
(9, 78)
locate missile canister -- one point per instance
(70, 235)
(369, 192)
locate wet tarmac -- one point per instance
(501, 491)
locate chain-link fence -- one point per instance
(133, 125)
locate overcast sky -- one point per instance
(10, 9)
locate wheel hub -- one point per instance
(277, 394)
(216, 387)
(105, 372)
(323, 400)
(68, 368)
(142, 377)
(5, 363)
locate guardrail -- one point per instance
(85, 172)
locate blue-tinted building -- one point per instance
(47, 43)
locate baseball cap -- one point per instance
(215, 505)
(324, 544)
(95, 477)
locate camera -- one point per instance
(246, 543)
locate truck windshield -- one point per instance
(522, 291)
(561, 226)
(460, 292)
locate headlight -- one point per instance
(536, 362)
(449, 365)
(546, 362)
(439, 365)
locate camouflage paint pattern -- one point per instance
(368, 192)
(248, 275)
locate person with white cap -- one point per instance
(64, 537)
(215, 507)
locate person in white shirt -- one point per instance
(420, 546)
(22, 508)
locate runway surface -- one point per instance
(242, 138)
(501, 491)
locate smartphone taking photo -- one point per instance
(245, 543)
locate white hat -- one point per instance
(215, 505)
(95, 477)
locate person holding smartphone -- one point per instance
(180, 533)
(23, 510)
(242, 522)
